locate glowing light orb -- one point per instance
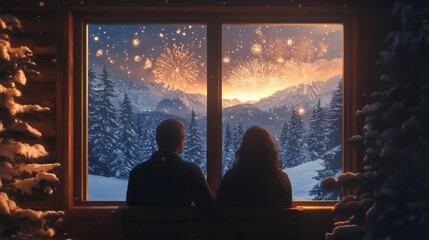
(280, 60)
(147, 64)
(301, 111)
(96, 38)
(137, 58)
(256, 49)
(136, 42)
(99, 53)
(226, 60)
(289, 42)
(176, 68)
(161, 35)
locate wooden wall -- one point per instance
(43, 31)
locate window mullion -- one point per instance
(214, 104)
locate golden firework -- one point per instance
(176, 68)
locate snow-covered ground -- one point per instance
(106, 189)
(301, 178)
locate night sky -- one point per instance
(257, 59)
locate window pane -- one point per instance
(288, 79)
(139, 75)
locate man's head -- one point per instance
(170, 135)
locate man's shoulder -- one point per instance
(141, 166)
(190, 166)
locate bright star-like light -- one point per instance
(136, 42)
(99, 53)
(256, 49)
(137, 58)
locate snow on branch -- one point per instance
(9, 150)
(4, 50)
(18, 108)
(27, 185)
(10, 22)
(6, 205)
(9, 92)
(33, 168)
(25, 127)
(7, 171)
(19, 77)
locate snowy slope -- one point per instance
(301, 178)
(106, 188)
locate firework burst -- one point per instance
(176, 68)
(306, 74)
(249, 75)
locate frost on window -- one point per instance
(137, 76)
(288, 79)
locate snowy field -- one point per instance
(106, 188)
(301, 177)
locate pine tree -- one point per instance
(335, 117)
(94, 164)
(228, 150)
(24, 162)
(194, 150)
(107, 126)
(127, 137)
(294, 155)
(391, 188)
(332, 164)
(283, 144)
(316, 132)
(238, 136)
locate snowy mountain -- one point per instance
(150, 97)
(290, 95)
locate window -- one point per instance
(288, 79)
(239, 71)
(139, 75)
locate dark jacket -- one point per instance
(167, 180)
(254, 188)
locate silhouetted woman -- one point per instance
(256, 179)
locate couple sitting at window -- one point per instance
(255, 180)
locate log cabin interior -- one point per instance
(60, 34)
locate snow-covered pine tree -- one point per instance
(140, 141)
(316, 132)
(149, 137)
(24, 170)
(294, 154)
(332, 164)
(392, 198)
(107, 126)
(228, 150)
(334, 117)
(237, 136)
(94, 164)
(194, 150)
(127, 138)
(283, 144)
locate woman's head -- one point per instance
(258, 150)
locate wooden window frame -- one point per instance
(71, 91)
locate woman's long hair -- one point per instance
(258, 151)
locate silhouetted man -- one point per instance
(167, 180)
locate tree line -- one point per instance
(119, 139)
